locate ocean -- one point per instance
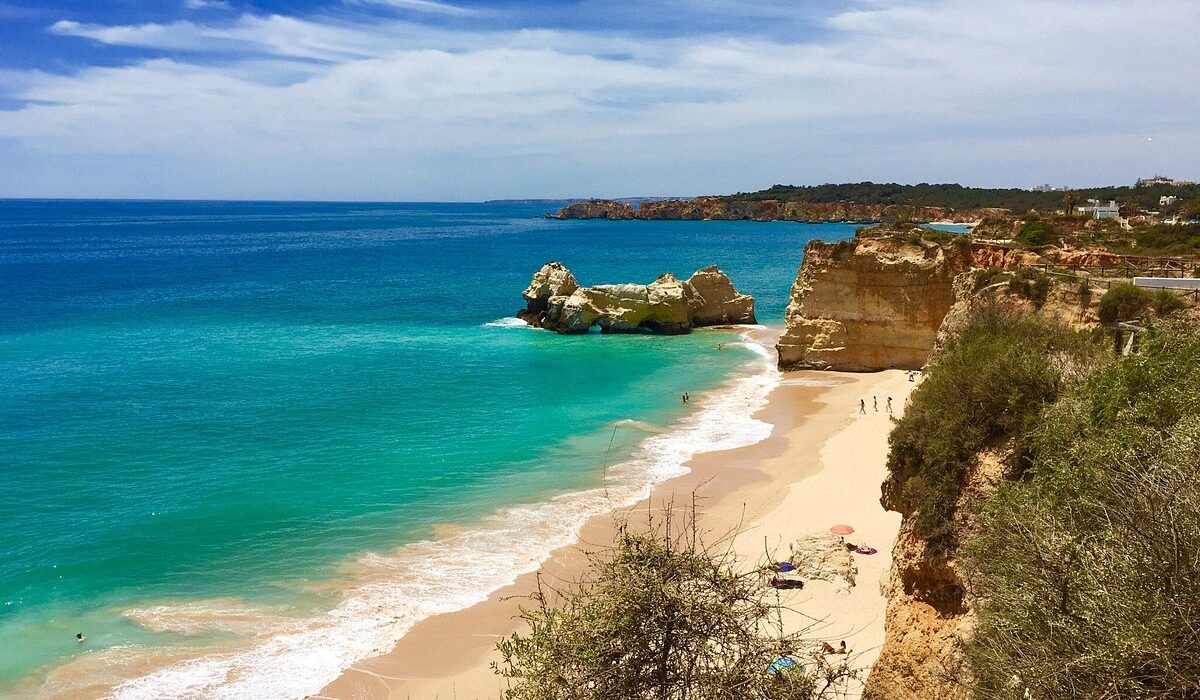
(244, 444)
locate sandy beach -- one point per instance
(823, 464)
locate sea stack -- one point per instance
(667, 306)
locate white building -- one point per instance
(1111, 210)
(1167, 200)
(1160, 180)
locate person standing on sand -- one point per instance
(889, 404)
(862, 405)
(875, 403)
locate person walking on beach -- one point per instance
(862, 406)
(875, 403)
(889, 404)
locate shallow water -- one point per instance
(248, 432)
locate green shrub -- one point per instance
(1168, 238)
(1030, 284)
(1165, 302)
(663, 616)
(988, 384)
(1035, 233)
(1123, 302)
(986, 277)
(1085, 571)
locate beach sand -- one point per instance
(822, 465)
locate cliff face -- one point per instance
(555, 301)
(596, 209)
(723, 208)
(870, 303)
(930, 608)
(929, 612)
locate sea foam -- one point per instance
(425, 578)
(507, 322)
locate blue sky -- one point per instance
(467, 99)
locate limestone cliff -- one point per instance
(874, 302)
(595, 209)
(729, 208)
(930, 610)
(555, 301)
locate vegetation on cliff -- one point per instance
(988, 386)
(1085, 571)
(955, 196)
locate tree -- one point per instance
(663, 616)
(1069, 200)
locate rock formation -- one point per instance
(874, 302)
(824, 557)
(730, 209)
(596, 209)
(555, 301)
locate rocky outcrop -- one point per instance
(715, 302)
(872, 303)
(733, 209)
(555, 301)
(824, 557)
(1003, 257)
(596, 209)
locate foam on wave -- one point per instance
(507, 322)
(430, 577)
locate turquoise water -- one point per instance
(213, 411)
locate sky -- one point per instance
(464, 100)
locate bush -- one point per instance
(1035, 233)
(1030, 284)
(1123, 302)
(663, 616)
(1166, 302)
(988, 385)
(986, 277)
(1168, 238)
(1085, 571)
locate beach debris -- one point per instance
(784, 664)
(783, 575)
(823, 557)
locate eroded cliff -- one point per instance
(667, 306)
(872, 303)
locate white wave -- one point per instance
(431, 577)
(807, 381)
(507, 322)
(210, 615)
(638, 425)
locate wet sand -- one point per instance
(823, 464)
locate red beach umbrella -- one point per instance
(841, 529)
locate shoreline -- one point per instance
(396, 591)
(823, 463)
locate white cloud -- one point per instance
(427, 6)
(207, 5)
(1009, 93)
